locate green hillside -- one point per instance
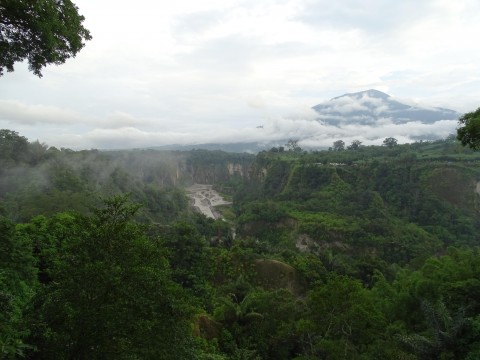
(364, 253)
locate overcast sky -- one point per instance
(192, 71)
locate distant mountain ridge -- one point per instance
(372, 106)
(366, 116)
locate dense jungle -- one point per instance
(356, 252)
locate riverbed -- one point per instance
(205, 199)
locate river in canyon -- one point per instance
(205, 199)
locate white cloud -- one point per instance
(161, 71)
(120, 119)
(347, 104)
(310, 132)
(16, 112)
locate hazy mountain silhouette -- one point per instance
(372, 106)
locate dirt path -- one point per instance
(205, 199)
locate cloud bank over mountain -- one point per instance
(372, 107)
(367, 116)
(190, 71)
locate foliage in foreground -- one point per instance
(41, 32)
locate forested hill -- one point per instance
(360, 252)
(38, 179)
(382, 205)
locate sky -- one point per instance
(196, 71)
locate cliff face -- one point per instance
(213, 173)
(164, 169)
(400, 185)
(453, 185)
(391, 210)
(416, 191)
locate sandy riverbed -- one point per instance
(205, 199)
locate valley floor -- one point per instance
(205, 199)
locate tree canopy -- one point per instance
(366, 254)
(469, 131)
(390, 142)
(355, 145)
(339, 145)
(42, 32)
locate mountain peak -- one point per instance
(371, 106)
(373, 93)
